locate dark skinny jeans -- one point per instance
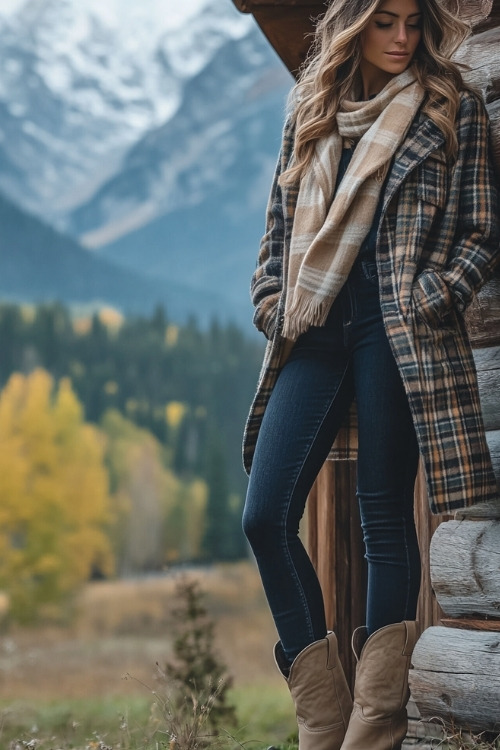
(329, 366)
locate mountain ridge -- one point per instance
(159, 160)
(38, 264)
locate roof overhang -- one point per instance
(288, 24)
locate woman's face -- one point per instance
(389, 41)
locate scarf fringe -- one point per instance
(303, 314)
(330, 223)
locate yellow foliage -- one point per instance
(159, 518)
(111, 388)
(171, 335)
(111, 318)
(54, 491)
(174, 413)
(197, 497)
(82, 326)
(28, 313)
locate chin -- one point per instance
(396, 67)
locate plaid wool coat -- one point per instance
(438, 243)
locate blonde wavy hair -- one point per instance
(331, 71)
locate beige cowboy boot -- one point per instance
(320, 693)
(379, 720)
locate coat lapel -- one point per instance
(423, 138)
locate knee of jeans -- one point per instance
(260, 528)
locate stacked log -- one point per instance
(456, 668)
(458, 677)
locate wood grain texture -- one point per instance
(494, 114)
(428, 610)
(488, 374)
(465, 567)
(472, 11)
(493, 440)
(493, 18)
(481, 53)
(483, 315)
(249, 6)
(475, 11)
(289, 33)
(336, 548)
(468, 623)
(452, 666)
(480, 511)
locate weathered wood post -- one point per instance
(335, 541)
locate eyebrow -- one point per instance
(396, 15)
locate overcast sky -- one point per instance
(7, 6)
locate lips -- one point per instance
(398, 54)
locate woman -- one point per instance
(381, 226)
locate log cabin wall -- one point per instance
(335, 542)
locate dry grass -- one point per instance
(122, 627)
(459, 738)
(97, 684)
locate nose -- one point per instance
(401, 34)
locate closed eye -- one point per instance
(381, 25)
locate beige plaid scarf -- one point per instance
(328, 231)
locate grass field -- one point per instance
(95, 684)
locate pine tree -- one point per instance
(196, 670)
(216, 543)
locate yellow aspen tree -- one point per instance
(144, 494)
(160, 518)
(54, 497)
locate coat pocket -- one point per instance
(432, 300)
(432, 180)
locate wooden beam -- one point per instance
(468, 623)
(249, 6)
(335, 544)
(290, 33)
(470, 10)
(287, 23)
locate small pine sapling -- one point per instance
(195, 671)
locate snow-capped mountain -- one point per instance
(126, 123)
(191, 194)
(82, 82)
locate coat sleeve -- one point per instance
(476, 250)
(267, 281)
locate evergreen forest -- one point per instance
(120, 436)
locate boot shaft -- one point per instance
(320, 694)
(384, 658)
(379, 720)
